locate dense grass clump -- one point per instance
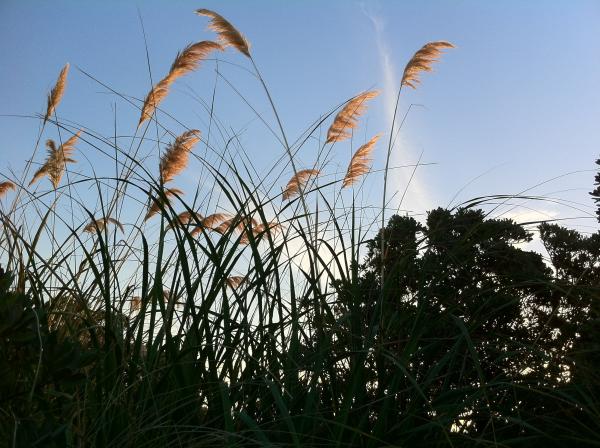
(261, 312)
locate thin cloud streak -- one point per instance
(417, 198)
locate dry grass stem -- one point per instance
(101, 223)
(56, 162)
(228, 34)
(298, 181)
(347, 118)
(176, 157)
(360, 163)
(186, 61)
(57, 92)
(422, 61)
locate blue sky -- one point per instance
(516, 103)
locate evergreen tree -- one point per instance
(596, 193)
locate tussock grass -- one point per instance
(260, 312)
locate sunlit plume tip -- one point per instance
(347, 118)
(228, 34)
(422, 61)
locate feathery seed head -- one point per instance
(422, 61)
(57, 92)
(176, 157)
(185, 218)
(224, 226)
(347, 118)
(228, 34)
(136, 302)
(235, 281)
(186, 61)
(260, 230)
(190, 57)
(101, 223)
(163, 200)
(360, 162)
(153, 99)
(5, 187)
(56, 161)
(238, 223)
(210, 222)
(297, 182)
(214, 219)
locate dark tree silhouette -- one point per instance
(596, 193)
(471, 335)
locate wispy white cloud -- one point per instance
(418, 196)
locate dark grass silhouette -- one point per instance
(268, 312)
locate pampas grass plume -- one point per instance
(297, 181)
(347, 118)
(360, 162)
(57, 92)
(176, 157)
(5, 187)
(422, 61)
(228, 34)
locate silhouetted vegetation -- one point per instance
(470, 339)
(262, 315)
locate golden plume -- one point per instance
(197, 230)
(136, 302)
(245, 222)
(228, 34)
(186, 61)
(216, 218)
(347, 118)
(245, 239)
(101, 223)
(57, 92)
(238, 223)
(156, 203)
(360, 162)
(5, 186)
(259, 231)
(153, 99)
(224, 226)
(176, 157)
(210, 222)
(422, 61)
(245, 225)
(235, 281)
(57, 160)
(186, 218)
(270, 226)
(297, 181)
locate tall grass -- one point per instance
(145, 314)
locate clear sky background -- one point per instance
(516, 103)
